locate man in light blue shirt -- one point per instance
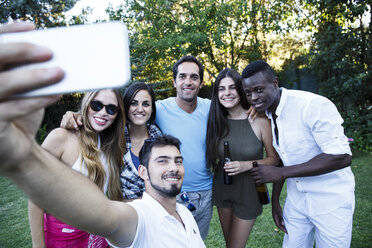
(185, 117)
(310, 140)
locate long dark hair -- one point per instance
(131, 92)
(217, 120)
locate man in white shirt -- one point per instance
(67, 194)
(162, 222)
(310, 140)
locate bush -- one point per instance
(53, 114)
(358, 125)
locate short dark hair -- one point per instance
(131, 92)
(188, 58)
(259, 66)
(160, 141)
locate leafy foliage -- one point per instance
(53, 114)
(336, 46)
(233, 33)
(342, 60)
(221, 33)
(44, 13)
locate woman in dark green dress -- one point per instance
(237, 204)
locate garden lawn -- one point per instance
(15, 232)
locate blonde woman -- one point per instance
(96, 151)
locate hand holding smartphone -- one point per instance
(93, 56)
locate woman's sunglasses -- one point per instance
(96, 105)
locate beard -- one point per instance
(173, 191)
(188, 99)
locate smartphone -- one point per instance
(93, 56)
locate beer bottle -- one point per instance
(262, 192)
(226, 178)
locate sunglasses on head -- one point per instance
(185, 198)
(96, 105)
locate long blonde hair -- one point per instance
(112, 145)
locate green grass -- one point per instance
(264, 232)
(362, 222)
(15, 232)
(14, 229)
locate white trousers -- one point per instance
(328, 230)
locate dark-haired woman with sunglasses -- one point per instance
(96, 151)
(140, 110)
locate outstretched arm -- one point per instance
(61, 191)
(73, 198)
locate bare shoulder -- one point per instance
(261, 123)
(59, 140)
(60, 135)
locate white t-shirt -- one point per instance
(157, 228)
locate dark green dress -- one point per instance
(241, 196)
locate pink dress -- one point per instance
(60, 235)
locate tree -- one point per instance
(341, 56)
(221, 33)
(44, 13)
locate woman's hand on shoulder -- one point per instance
(71, 121)
(253, 114)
